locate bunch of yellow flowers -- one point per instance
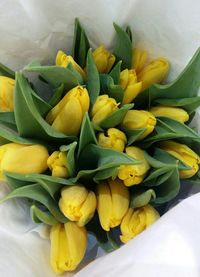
(108, 148)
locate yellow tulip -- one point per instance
(138, 119)
(64, 60)
(6, 94)
(137, 220)
(24, 159)
(68, 114)
(115, 139)
(103, 107)
(112, 203)
(183, 153)
(68, 246)
(139, 58)
(134, 174)
(171, 112)
(78, 204)
(103, 59)
(153, 73)
(130, 85)
(57, 163)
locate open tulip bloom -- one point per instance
(107, 151)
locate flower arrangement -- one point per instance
(106, 150)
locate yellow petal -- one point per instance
(171, 112)
(139, 58)
(6, 94)
(151, 215)
(88, 208)
(131, 92)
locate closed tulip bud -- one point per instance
(64, 60)
(137, 220)
(153, 73)
(183, 153)
(103, 107)
(68, 246)
(139, 58)
(57, 163)
(138, 119)
(171, 112)
(130, 85)
(115, 139)
(103, 59)
(112, 203)
(78, 204)
(23, 159)
(68, 114)
(6, 94)
(134, 174)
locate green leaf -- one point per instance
(37, 193)
(168, 189)
(15, 183)
(93, 82)
(57, 95)
(123, 47)
(185, 86)
(81, 44)
(40, 216)
(55, 75)
(188, 104)
(105, 174)
(71, 161)
(75, 72)
(87, 134)
(8, 120)
(129, 33)
(116, 117)
(158, 176)
(32, 125)
(133, 134)
(108, 87)
(42, 106)
(7, 72)
(141, 197)
(115, 73)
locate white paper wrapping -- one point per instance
(37, 29)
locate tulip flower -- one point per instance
(112, 203)
(130, 85)
(134, 174)
(115, 139)
(139, 58)
(68, 246)
(171, 112)
(103, 107)
(138, 119)
(6, 94)
(78, 204)
(183, 153)
(64, 60)
(137, 220)
(68, 114)
(57, 163)
(153, 73)
(23, 159)
(103, 59)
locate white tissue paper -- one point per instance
(37, 29)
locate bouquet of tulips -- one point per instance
(105, 150)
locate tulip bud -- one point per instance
(103, 107)
(6, 94)
(139, 58)
(138, 119)
(183, 153)
(171, 112)
(115, 139)
(57, 163)
(128, 81)
(134, 174)
(68, 114)
(68, 246)
(137, 220)
(153, 73)
(23, 159)
(78, 204)
(112, 203)
(103, 59)
(64, 60)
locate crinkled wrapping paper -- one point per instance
(37, 29)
